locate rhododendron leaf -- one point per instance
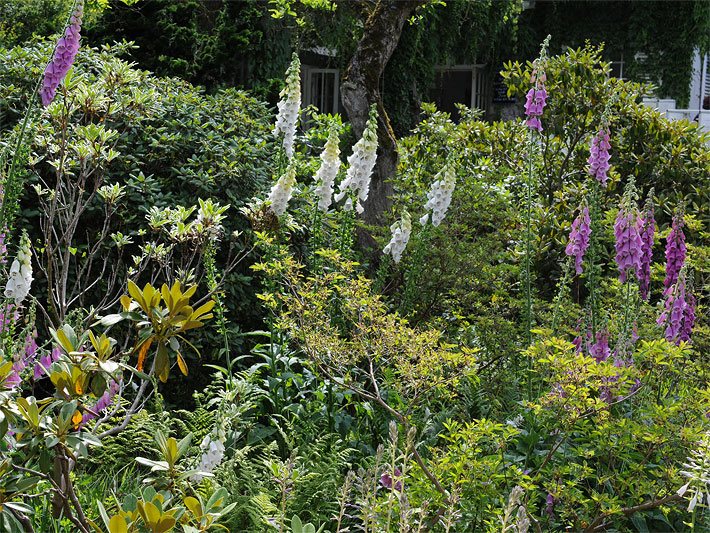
(181, 364)
(165, 524)
(162, 363)
(76, 419)
(136, 294)
(203, 309)
(166, 295)
(110, 320)
(143, 351)
(117, 525)
(194, 506)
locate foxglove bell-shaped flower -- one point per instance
(599, 156)
(675, 251)
(579, 238)
(18, 285)
(600, 349)
(103, 403)
(330, 165)
(401, 231)
(289, 106)
(628, 237)
(41, 367)
(64, 54)
(282, 191)
(535, 101)
(361, 164)
(678, 315)
(212, 455)
(647, 224)
(439, 196)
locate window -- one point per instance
(321, 88)
(617, 69)
(461, 84)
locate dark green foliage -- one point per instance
(655, 39)
(212, 43)
(175, 143)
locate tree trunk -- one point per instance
(361, 88)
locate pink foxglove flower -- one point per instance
(675, 251)
(647, 223)
(688, 319)
(599, 156)
(386, 480)
(579, 238)
(103, 403)
(678, 315)
(535, 101)
(600, 349)
(41, 367)
(64, 55)
(628, 237)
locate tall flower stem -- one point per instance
(562, 291)
(413, 274)
(8, 208)
(347, 227)
(316, 236)
(527, 268)
(625, 336)
(592, 267)
(213, 285)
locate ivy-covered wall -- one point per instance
(656, 39)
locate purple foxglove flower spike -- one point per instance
(104, 401)
(579, 238)
(64, 55)
(688, 319)
(535, 101)
(678, 315)
(675, 251)
(648, 229)
(42, 366)
(600, 349)
(599, 156)
(550, 505)
(628, 236)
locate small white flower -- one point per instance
(289, 106)
(282, 190)
(439, 196)
(698, 475)
(361, 164)
(20, 280)
(401, 231)
(328, 171)
(212, 455)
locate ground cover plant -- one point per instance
(199, 332)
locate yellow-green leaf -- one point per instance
(181, 364)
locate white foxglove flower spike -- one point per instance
(362, 162)
(289, 106)
(328, 170)
(401, 231)
(282, 191)
(439, 196)
(212, 455)
(18, 285)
